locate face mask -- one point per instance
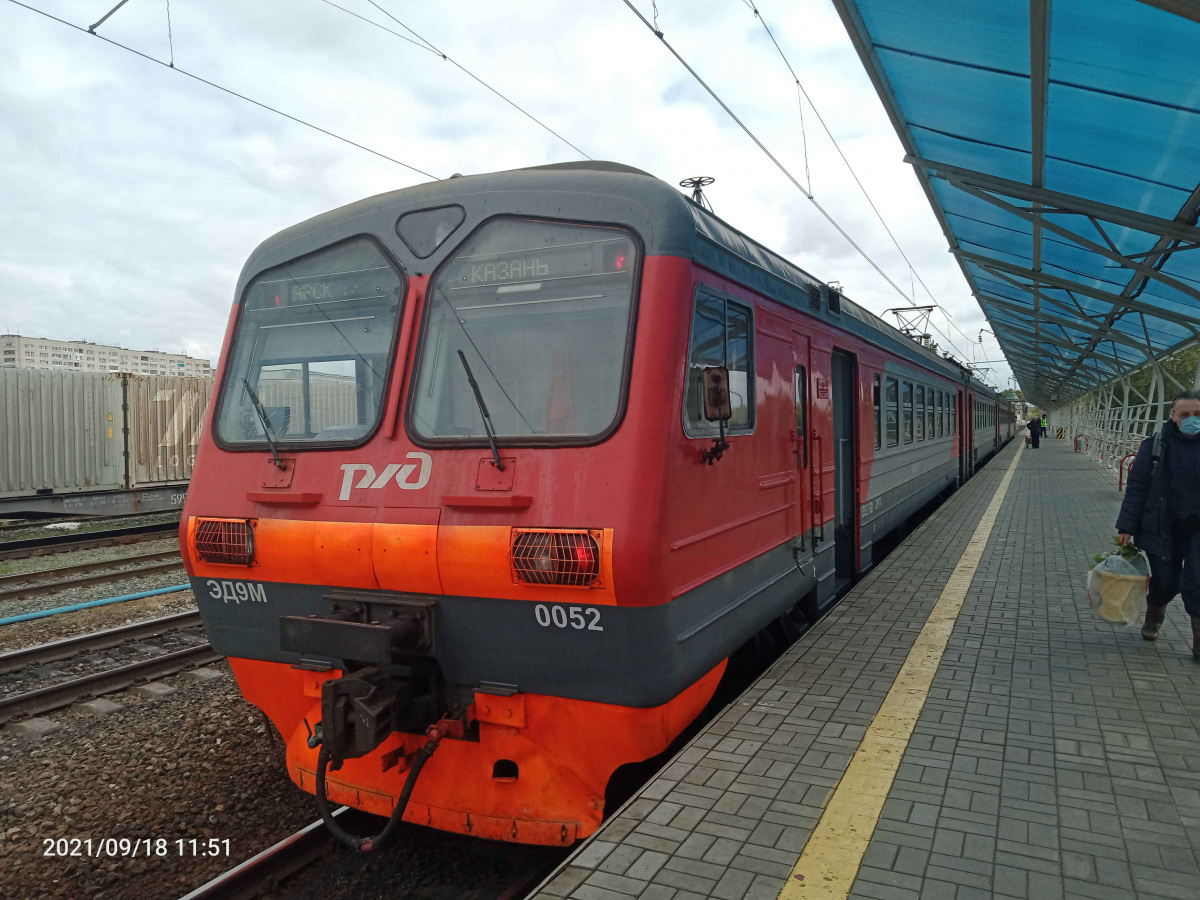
(1190, 426)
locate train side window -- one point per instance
(906, 410)
(875, 398)
(954, 414)
(919, 413)
(930, 414)
(893, 413)
(721, 336)
(802, 413)
(938, 413)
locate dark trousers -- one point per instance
(1037, 438)
(1179, 574)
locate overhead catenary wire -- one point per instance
(913, 273)
(170, 36)
(429, 46)
(800, 87)
(425, 45)
(782, 168)
(223, 89)
(351, 12)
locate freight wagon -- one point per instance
(88, 443)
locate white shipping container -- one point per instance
(64, 432)
(166, 414)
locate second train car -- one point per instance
(509, 465)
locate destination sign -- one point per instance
(551, 263)
(519, 269)
(311, 290)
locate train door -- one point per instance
(968, 431)
(801, 444)
(845, 475)
(959, 409)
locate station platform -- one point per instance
(960, 726)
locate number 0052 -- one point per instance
(578, 617)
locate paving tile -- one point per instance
(1055, 756)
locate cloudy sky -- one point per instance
(132, 194)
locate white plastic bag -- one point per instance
(1117, 589)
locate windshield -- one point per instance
(541, 313)
(313, 344)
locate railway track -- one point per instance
(60, 543)
(97, 640)
(47, 581)
(250, 878)
(56, 696)
(26, 524)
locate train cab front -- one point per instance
(400, 528)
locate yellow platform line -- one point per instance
(829, 864)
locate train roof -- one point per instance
(668, 222)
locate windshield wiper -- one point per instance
(487, 420)
(262, 417)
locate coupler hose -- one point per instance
(377, 842)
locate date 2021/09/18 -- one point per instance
(134, 847)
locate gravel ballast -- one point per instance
(134, 584)
(46, 528)
(198, 764)
(65, 625)
(115, 554)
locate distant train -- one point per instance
(599, 440)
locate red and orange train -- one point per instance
(461, 479)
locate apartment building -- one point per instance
(17, 351)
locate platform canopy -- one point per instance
(1059, 144)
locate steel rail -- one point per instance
(61, 543)
(82, 519)
(56, 696)
(97, 640)
(49, 587)
(250, 877)
(82, 568)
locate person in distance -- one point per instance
(1161, 514)
(1035, 431)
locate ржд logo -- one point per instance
(401, 473)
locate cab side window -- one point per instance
(722, 335)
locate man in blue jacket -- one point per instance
(1161, 514)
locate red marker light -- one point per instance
(278, 302)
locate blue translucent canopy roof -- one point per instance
(1059, 144)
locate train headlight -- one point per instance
(228, 541)
(568, 558)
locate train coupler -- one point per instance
(359, 711)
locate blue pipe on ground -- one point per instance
(42, 613)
